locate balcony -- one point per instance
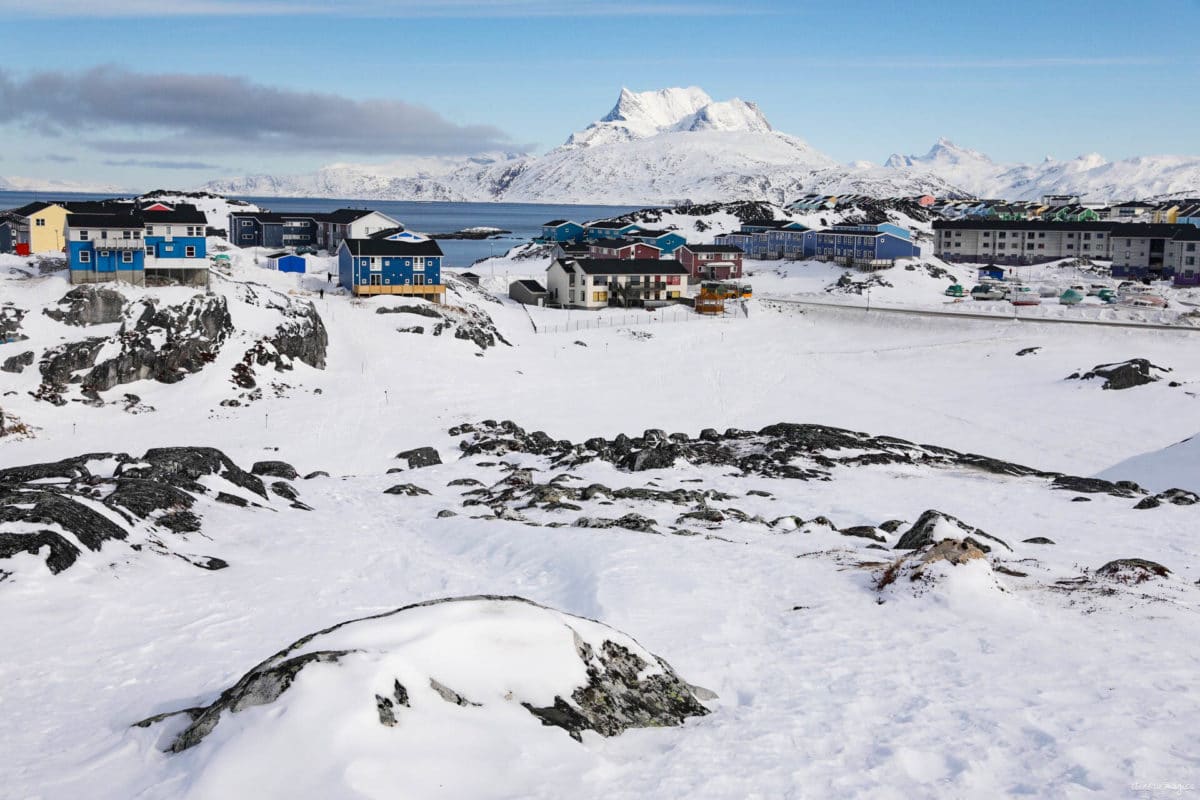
(117, 244)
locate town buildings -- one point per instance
(130, 244)
(371, 266)
(600, 282)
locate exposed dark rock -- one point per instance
(275, 469)
(1123, 374)
(89, 305)
(863, 532)
(407, 489)
(316, 474)
(180, 522)
(420, 457)
(1178, 497)
(62, 553)
(1097, 486)
(925, 531)
(892, 525)
(1133, 570)
(10, 324)
(445, 512)
(1028, 351)
(17, 364)
(1038, 540)
(301, 336)
(419, 310)
(232, 499)
(631, 522)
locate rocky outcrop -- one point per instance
(1176, 497)
(82, 503)
(467, 322)
(302, 336)
(420, 457)
(163, 344)
(934, 526)
(1123, 374)
(89, 305)
(1132, 570)
(10, 323)
(623, 686)
(17, 364)
(275, 469)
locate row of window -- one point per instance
(379, 280)
(85, 256)
(190, 230)
(375, 263)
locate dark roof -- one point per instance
(1186, 235)
(629, 266)
(1133, 204)
(283, 254)
(607, 223)
(573, 247)
(643, 233)
(344, 216)
(388, 247)
(31, 208)
(554, 223)
(532, 286)
(713, 248)
(103, 221)
(1134, 230)
(187, 215)
(468, 275)
(766, 223)
(618, 243)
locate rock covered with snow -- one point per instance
(1123, 374)
(418, 684)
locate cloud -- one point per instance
(57, 159)
(374, 8)
(152, 164)
(186, 114)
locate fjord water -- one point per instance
(523, 219)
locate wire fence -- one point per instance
(585, 321)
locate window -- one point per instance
(246, 237)
(83, 236)
(127, 257)
(1070, 247)
(1191, 247)
(150, 250)
(189, 251)
(104, 254)
(418, 280)
(419, 263)
(85, 257)
(599, 297)
(1030, 235)
(39, 223)
(168, 248)
(1190, 260)
(987, 234)
(1087, 236)
(1029, 246)
(126, 234)
(149, 230)
(246, 223)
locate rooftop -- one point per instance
(389, 247)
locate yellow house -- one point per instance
(41, 226)
(1167, 214)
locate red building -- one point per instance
(710, 261)
(623, 249)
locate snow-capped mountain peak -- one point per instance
(943, 152)
(641, 115)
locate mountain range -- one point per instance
(678, 144)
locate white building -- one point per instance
(601, 282)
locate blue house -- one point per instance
(386, 266)
(666, 241)
(607, 229)
(862, 244)
(561, 230)
(125, 244)
(106, 247)
(287, 262)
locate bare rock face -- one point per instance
(1132, 570)
(89, 305)
(163, 344)
(1123, 374)
(622, 686)
(10, 323)
(420, 457)
(934, 526)
(17, 364)
(64, 501)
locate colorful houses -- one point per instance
(130, 244)
(710, 261)
(386, 266)
(667, 242)
(858, 245)
(608, 229)
(284, 261)
(600, 282)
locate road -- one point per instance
(925, 312)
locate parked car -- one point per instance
(955, 290)
(1025, 296)
(1070, 298)
(988, 291)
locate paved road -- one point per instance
(924, 312)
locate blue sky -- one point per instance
(857, 79)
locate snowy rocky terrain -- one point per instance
(267, 542)
(678, 144)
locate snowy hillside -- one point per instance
(665, 146)
(280, 541)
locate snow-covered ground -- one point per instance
(1023, 672)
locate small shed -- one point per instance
(287, 262)
(528, 292)
(991, 273)
(470, 277)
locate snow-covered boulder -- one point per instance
(423, 685)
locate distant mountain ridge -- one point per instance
(678, 144)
